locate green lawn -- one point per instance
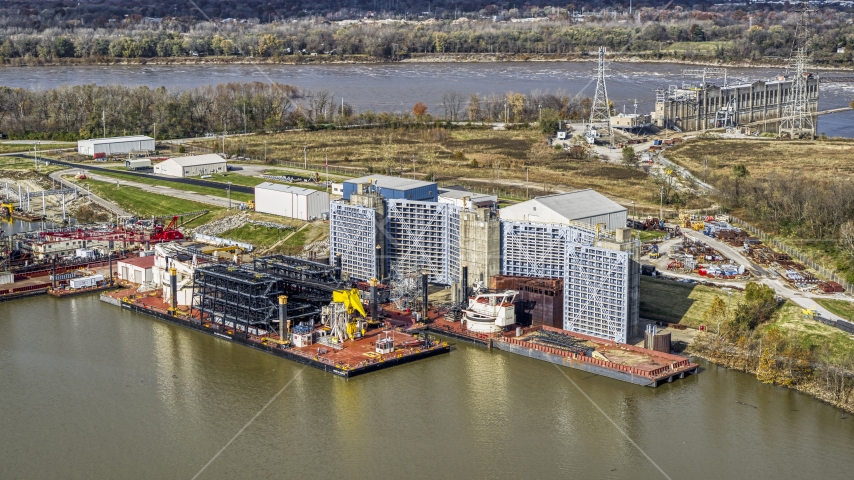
(216, 192)
(15, 148)
(256, 235)
(144, 203)
(838, 307)
(811, 334)
(679, 302)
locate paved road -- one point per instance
(117, 210)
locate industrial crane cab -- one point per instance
(489, 313)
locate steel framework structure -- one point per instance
(424, 236)
(600, 111)
(797, 115)
(236, 297)
(352, 234)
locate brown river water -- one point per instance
(90, 391)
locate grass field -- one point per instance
(838, 307)
(258, 236)
(216, 192)
(679, 302)
(480, 158)
(145, 204)
(831, 158)
(812, 334)
(263, 238)
(15, 148)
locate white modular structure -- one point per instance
(85, 282)
(424, 236)
(192, 166)
(289, 201)
(139, 270)
(138, 164)
(115, 145)
(465, 199)
(353, 234)
(586, 206)
(597, 296)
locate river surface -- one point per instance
(397, 87)
(90, 391)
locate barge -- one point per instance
(378, 348)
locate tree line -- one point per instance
(649, 34)
(86, 111)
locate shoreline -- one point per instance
(366, 60)
(809, 387)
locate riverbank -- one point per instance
(658, 58)
(826, 380)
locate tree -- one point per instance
(629, 156)
(739, 172)
(419, 110)
(549, 121)
(717, 313)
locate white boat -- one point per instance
(490, 312)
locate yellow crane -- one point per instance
(7, 208)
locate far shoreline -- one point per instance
(303, 60)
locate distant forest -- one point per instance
(101, 31)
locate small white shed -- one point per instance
(289, 201)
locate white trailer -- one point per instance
(85, 282)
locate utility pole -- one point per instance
(104, 121)
(600, 111)
(265, 151)
(305, 157)
(661, 204)
(229, 195)
(527, 192)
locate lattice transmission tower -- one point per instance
(600, 111)
(797, 119)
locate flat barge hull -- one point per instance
(274, 349)
(651, 369)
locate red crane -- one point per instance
(167, 234)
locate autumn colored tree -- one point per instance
(419, 109)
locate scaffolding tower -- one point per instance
(424, 236)
(595, 280)
(596, 292)
(797, 118)
(600, 111)
(353, 235)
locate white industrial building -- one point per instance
(115, 145)
(192, 166)
(139, 270)
(464, 198)
(289, 201)
(585, 206)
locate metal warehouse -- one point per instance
(586, 206)
(115, 145)
(394, 188)
(289, 201)
(192, 166)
